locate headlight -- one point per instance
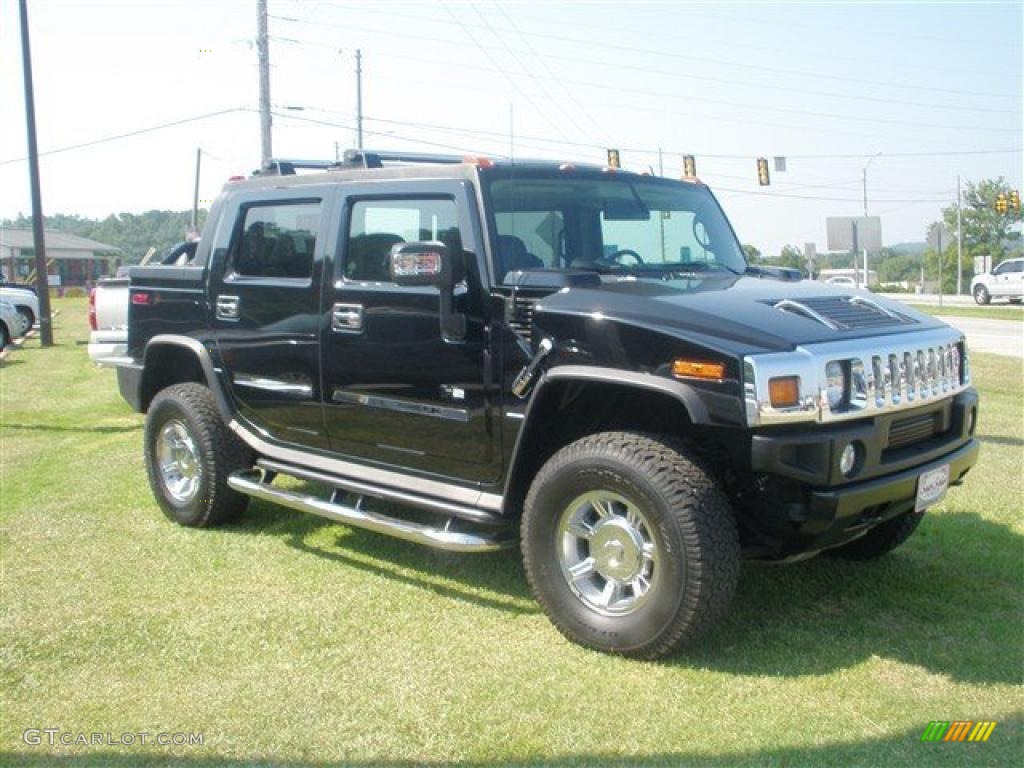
(836, 384)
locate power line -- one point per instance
(129, 134)
(825, 199)
(690, 76)
(709, 60)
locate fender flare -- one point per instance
(687, 397)
(202, 354)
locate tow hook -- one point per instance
(528, 376)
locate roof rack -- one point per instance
(376, 159)
(277, 166)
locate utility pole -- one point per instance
(38, 236)
(959, 242)
(195, 192)
(864, 183)
(511, 132)
(359, 98)
(661, 214)
(263, 52)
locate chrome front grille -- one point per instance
(902, 377)
(883, 374)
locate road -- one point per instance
(932, 299)
(1000, 337)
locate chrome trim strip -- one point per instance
(789, 305)
(436, 488)
(388, 494)
(250, 482)
(115, 361)
(400, 405)
(272, 385)
(907, 364)
(864, 301)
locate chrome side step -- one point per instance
(253, 482)
(449, 508)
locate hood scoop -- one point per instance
(841, 313)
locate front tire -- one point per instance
(981, 295)
(629, 545)
(882, 539)
(189, 454)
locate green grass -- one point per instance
(287, 640)
(1000, 312)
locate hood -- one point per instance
(747, 314)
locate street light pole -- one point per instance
(864, 184)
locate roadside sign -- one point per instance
(854, 233)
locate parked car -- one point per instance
(843, 280)
(25, 303)
(1005, 281)
(571, 360)
(10, 324)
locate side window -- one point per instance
(377, 225)
(529, 240)
(278, 240)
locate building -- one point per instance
(74, 260)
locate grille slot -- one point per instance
(917, 429)
(521, 321)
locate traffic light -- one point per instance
(1014, 201)
(613, 158)
(689, 167)
(762, 172)
(1002, 204)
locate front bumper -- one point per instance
(831, 509)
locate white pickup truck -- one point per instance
(108, 319)
(108, 308)
(1005, 281)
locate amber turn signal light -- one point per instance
(698, 369)
(784, 391)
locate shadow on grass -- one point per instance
(499, 573)
(948, 601)
(1001, 440)
(903, 748)
(61, 428)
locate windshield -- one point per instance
(625, 225)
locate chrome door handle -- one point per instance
(347, 318)
(227, 308)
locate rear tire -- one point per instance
(190, 452)
(5, 336)
(882, 539)
(27, 318)
(981, 295)
(629, 545)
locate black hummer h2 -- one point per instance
(471, 355)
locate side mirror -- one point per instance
(429, 263)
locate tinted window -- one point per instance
(278, 240)
(530, 239)
(377, 225)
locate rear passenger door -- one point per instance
(265, 293)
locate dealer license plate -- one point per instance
(931, 487)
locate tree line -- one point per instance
(133, 233)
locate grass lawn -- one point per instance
(289, 640)
(1001, 312)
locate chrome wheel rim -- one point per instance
(608, 552)
(177, 458)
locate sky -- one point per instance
(909, 94)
